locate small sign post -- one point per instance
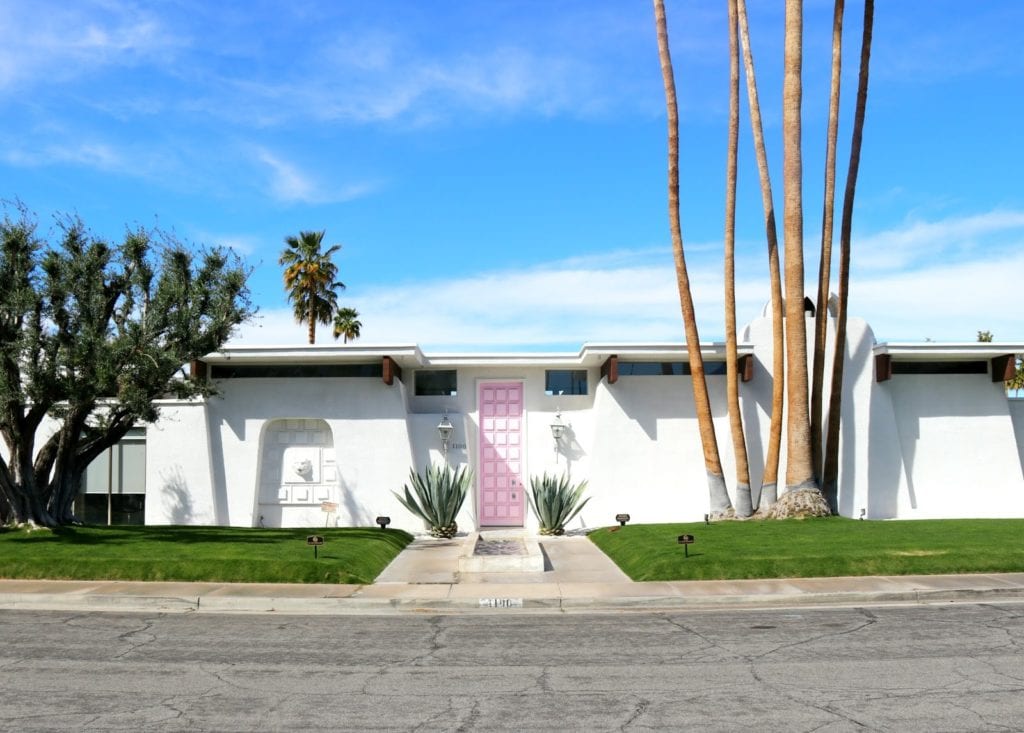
(315, 540)
(328, 508)
(685, 540)
(622, 519)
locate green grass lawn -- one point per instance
(808, 548)
(220, 554)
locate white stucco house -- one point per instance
(928, 431)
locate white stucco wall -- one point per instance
(958, 447)
(372, 448)
(648, 460)
(179, 479)
(914, 446)
(1016, 407)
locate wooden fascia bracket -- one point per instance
(391, 371)
(1004, 368)
(198, 369)
(610, 369)
(883, 367)
(745, 367)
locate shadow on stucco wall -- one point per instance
(218, 477)
(358, 514)
(176, 497)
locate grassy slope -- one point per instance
(816, 548)
(224, 554)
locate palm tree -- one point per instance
(830, 473)
(769, 479)
(309, 278)
(346, 323)
(802, 493)
(744, 506)
(825, 264)
(719, 497)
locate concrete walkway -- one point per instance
(578, 577)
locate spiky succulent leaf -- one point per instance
(437, 495)
(555, 502)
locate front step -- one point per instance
(501, 552)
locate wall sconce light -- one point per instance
(445, 429)
(383, 522)
(622, 519)
(558, 428)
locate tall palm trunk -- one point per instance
(719, 498)
(830, 476)
(744, 506)
(769, 478)
(800, 481)
(825, 263)
(311, 327)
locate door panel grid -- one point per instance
(501, 454)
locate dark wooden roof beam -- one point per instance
(610, 369)
(391, 371)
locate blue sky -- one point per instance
(495, 172)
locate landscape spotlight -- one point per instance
(383, 522)
(622, 519)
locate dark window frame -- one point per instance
(575, 381)
(296, 371)
(667, 368)
(939, 367)
(428, 390)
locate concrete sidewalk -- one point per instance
(578, 577)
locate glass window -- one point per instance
(125, 475)
(940, 367)
(565, 381)
(436, 382)
(666, 368)
(293, 371)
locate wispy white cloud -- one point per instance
(632, 296)
(950, 238)
(559, 303)
(243, 244)
(58, 41)
(288, 184)
(99, 155)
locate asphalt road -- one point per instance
(923, 668)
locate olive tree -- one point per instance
(92, 333)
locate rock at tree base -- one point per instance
(799, 504)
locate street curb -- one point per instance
(97, 602)
(341, 606)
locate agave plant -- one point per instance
(436, 497)
(555, 502)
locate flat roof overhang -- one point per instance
(410, 356)
(947, 351)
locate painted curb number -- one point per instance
(501, 603)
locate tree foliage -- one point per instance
(310, 277)
(347, 324)
(91, 334)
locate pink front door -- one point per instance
(501, 454)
